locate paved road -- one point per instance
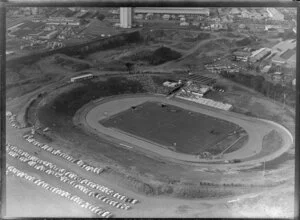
(256, 128)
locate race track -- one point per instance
(92, 113)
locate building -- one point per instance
(275, 28)
(125, 17)
(235, 11)
(172, 10)
(184, 23)
(274, 14)
(166, 17)
(48, 35)
(277, 76)
(82, 77)
(285, 53)
(170, 84)
(63, 21)
(9, 52)
(241, 55)
(259, 55)
(266, 69)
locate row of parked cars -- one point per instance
(70, 177)
(95, 209)
(63, 155)
(12, 118)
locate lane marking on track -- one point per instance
(124, 145)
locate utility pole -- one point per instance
(264, 171)
(284, 96)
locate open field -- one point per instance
(179, 129)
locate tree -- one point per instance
(101, 17)
(256, 82)
(129, 67)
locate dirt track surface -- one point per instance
(256, 128)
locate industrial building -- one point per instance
(259, 55)
(241, 55)
(285, 53)
(172, 10)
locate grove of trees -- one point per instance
(277, 91)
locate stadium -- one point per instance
(125, 127)
(125, 131)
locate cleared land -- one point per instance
(182, 130)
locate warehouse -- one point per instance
(259, 55)
(172, 10)
(285, 53)
(241, 56)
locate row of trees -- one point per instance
(277, 91)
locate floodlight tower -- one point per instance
(125, 17)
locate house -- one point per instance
(184, 23)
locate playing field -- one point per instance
(182, 130)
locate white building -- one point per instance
(173, 10)
(274, 14)
(125, 17)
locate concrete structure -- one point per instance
(125, 17)
(274, 14)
